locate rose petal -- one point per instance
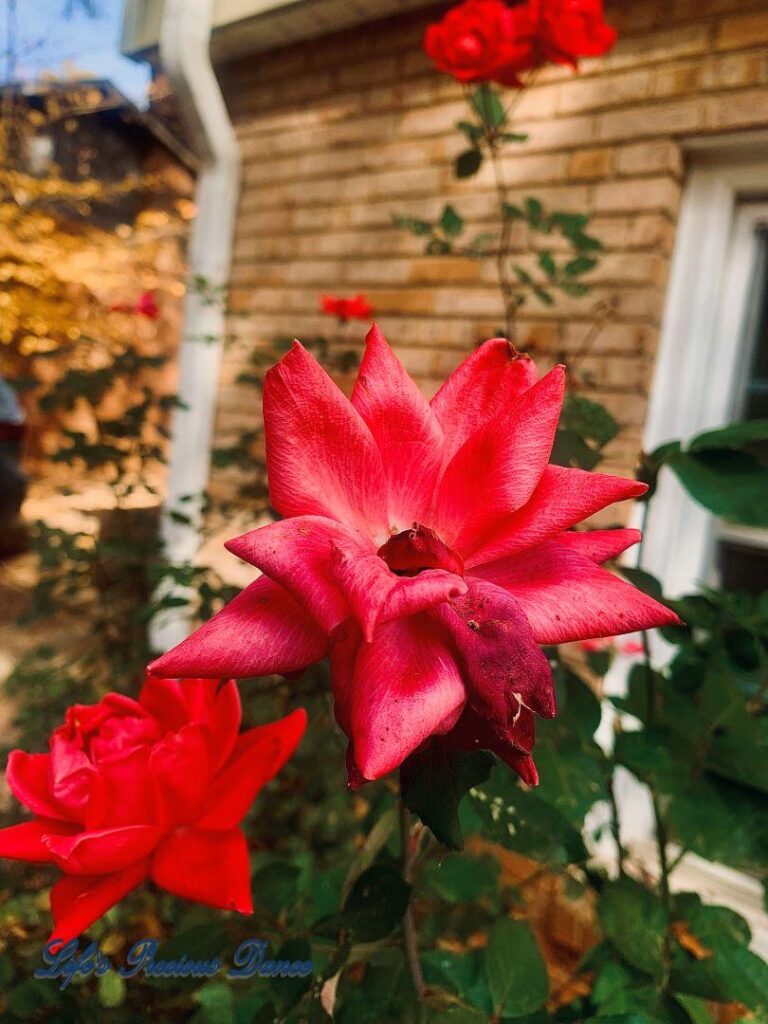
(100, 852)
(28, 778)
(321, 457)
(599, 545)
(567, 597)
(261, 631)
(79, 900)
(405, 429)
(180, 770)
(25, 841)
(209, 867)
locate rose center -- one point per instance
(412, 551)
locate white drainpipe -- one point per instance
(185, 57)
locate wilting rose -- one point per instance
(427, 546)
(154, 788)
(482, 41)
(568, 29)
(357, 308)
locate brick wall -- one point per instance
(339, 133)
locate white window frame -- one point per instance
(698, 372)
(701, 352)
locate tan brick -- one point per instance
(743, 30)
(650, 157)
(645, 194)
(590, 163)
(736, 110)
(603, 91)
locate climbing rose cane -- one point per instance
(427, 548)
(154, 788)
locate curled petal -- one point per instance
(513, 744)
(563, 498)
(321, 457)
(28, 778)
(502, 664)
(79, 900)
(566, 597)
(480, 389)
(90, 853)
(263, 630)
(404, 427)
(299, 554)
(25, 841)
(209, 867)
(258, 756)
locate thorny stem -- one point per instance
(410, 936)
(659, 823)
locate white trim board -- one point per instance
(700, 352)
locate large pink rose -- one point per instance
(427, 547)
(154, 788)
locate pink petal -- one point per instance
(406, 684)
(261, 631)
(79, 900)
(259, 755)
(299, 554)
(405, 429)
(566, 597)
(90, 853)
(497, 469)
(502, 664)
(208, 867)
(376, 594)
(321, 457)
(25, 841)
(563, 498)
(599, 545)
(513, 745)
(480, 389)
(28, 778)
(180, 769)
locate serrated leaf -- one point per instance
(517, 975)
(634, 921)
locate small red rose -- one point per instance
(568, 29)
(146, 305)
(357, 308)
(483, 41)
(154, 788)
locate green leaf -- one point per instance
(376, 903)
(644, 581)
(378, 996)
(547, 263)
(468, 163)
(472, 131)
(534, 212)
(734, 437)
(111, 990)
(488, 105)
(276, 885)
(731, 484)
(451, 222)
(434, 781)
(517, 976)
(413, 224)
(514, 136)
(634, 921)
(216, 1001)
(459, 879)
(580, 265)
(462, 973)
(512, 212)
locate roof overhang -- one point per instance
(253, 26)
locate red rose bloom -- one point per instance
(482, 41)
(428, 549)
(568, 29)
(154, 788)
(146, 305)
(357, 308)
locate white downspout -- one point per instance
(185, 56)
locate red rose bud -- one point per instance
(428, 548)
(154, 788)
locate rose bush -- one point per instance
(428, 549)
(149, 788)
